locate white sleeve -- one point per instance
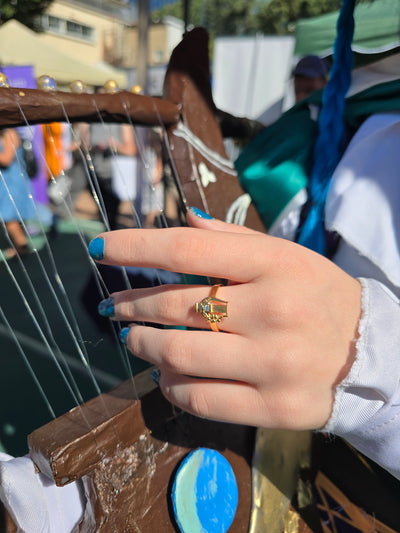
(366, 409)
(34, 502)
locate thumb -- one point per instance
(199, 219)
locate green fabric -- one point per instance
(376, 29)
(276, 164)
(380, 98)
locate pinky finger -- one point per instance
(226, 401)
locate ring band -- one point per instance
(212, 308)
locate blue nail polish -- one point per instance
(96, 248)
(123, 335)
(155, 375)
(106, 307)
(201, 214)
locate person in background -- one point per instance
(57, 140)
(14, 183)
(310, 74)
(152, 203)
(107, 140)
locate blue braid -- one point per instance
(331, 138)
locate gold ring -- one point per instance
(212, 308)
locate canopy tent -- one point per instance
(377, 30)
(21, 46)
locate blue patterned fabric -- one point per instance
(331, 139)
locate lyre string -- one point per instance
(93, 182)
(39, 329)
(73, 389)
(96, 193)
(76, 335)
(78, 398)
(92, 179)
(42, 230)
(26, 360)
(86, 157)
(103, 290)
(178, 183)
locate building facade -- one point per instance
(106, 31)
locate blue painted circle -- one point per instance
(204, 493)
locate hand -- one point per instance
(289, 338)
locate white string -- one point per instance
(80, 346)
(238, 207)
(26, 360)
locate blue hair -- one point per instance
(331, 139)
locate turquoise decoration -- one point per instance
(276, 164)
(204, 493)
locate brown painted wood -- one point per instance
(126, 452)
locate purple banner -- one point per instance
(24, 77)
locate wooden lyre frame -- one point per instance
(106, 442)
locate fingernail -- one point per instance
(96, 248)
(123, 334)
(155, 376)
(106, 307)
(199, 213)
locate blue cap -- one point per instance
(311, 67)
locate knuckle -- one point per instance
(282, 310)
(125, 309)
(136, 247)
(198, 403)
(136, 341)
(188, 250)
(169, 305)
(176, 353)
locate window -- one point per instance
(67, 28)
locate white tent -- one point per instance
(251, 74)
(21, 46)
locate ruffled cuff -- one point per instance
(366, 410)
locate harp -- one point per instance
(126, 447)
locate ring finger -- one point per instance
(174, 305)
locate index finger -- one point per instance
(234, 256)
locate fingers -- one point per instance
(227, 401)
(197, 353)
(240, 403)
(217, 254)
(175, 305)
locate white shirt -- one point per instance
(363, 206)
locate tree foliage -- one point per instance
(279, 16)
(239, 17)
(25, 11)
